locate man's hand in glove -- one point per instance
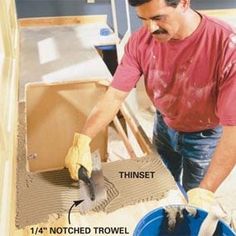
(198, 198)
(201, 198)
(205, 199)
(79, 155)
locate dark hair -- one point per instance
(135, 3)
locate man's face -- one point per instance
(163, 21)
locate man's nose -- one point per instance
(152, 26)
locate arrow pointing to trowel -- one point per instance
(76, 203)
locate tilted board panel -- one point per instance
(53, 114)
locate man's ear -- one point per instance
(184, 4)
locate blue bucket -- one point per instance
(155, 223)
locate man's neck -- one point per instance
(191, 21)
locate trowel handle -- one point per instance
(83, 175)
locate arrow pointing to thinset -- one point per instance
(76, 203)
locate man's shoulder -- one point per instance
(217, 25)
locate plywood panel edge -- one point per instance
(63, 20)
(100, 81)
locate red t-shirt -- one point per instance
(192, 82)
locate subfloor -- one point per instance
(53, 192)
(142, 109)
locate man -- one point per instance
(189, 65)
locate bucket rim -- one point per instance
(161, 209)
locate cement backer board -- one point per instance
(40, 195)
(54, 112)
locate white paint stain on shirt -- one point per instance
(232, 42)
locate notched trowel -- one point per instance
(91, 190)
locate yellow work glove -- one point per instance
(201, 198)
(79, 155)
(205, 199)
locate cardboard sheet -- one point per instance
(54, 112)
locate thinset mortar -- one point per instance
(42, 194)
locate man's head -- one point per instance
(165, 19)
(136, 3)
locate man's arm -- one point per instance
(103, 112)
(79, 153)
(223, 161)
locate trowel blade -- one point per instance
(99, 185)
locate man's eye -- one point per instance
(156, 18)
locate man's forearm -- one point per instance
(223, 161)
(103, 112)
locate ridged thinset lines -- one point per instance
(132, 190)
(112, 193)
(42, 194)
